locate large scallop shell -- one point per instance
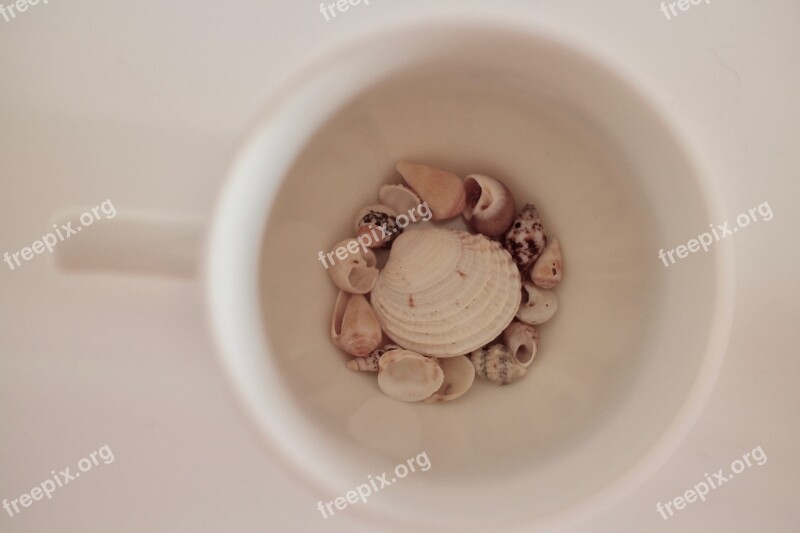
(445, 293)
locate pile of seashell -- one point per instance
(453, 303)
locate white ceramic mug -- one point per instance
(625, 365)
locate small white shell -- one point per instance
(354, 326)
(546, 272)
(408, 376)
(356, 273)
(490, 206)
(537, 305)
(370, 362)
(522, 340)
(459, 374)
(399, 197)
(496, 364)
(526, 239)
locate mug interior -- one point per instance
(612, 182)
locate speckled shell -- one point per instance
(526, 239)
(445, 292)
(496, 364)
(408, 376)
(369, 218)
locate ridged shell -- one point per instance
(445, 293)
(496, 364)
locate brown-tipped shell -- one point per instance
(496, 364)
(459, 374)
(441, 190)
(370, 362)
(376, 225)
(399, 197)
(357, 272)
(526, 239)
(408, 376)
(490, 206)
(537, 306)
(522, 340)
(354, 327)
(546, 272)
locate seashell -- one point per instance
(490, 206)
(399, 197)
(459, 374)
(356, 273)
(496, 364)
(369, 363)
(546, 271)
(526, 239)
(441, 190)
(379, 223)
(408, 376)
(537, 305)
(522, 340)
(354, 327)
(445, 292)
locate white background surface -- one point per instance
(144, 103)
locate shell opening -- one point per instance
(473, 192)
(524, 354)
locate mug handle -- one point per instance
(130, 242)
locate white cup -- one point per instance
(625, 365)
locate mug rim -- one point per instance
(220, 249)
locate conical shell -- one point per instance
(546, 271)
(370, 362)
(458, 377)
(445, 292)
(354, 327)
(441, 190)
(496, 364)
(526, 238)
(408, 376)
